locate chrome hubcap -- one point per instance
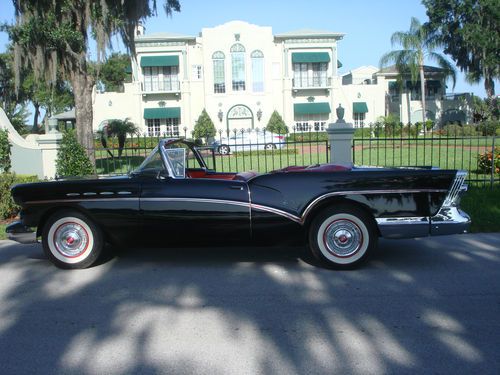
(343, 238)
(71, 239)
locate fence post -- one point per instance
(340, 136)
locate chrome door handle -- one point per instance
(236, 187)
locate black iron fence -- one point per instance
(450, 148)
(263, 151)
(238, 150)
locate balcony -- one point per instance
(161, 88)
(313, 83)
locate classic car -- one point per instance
(248, 140)
(173, 198)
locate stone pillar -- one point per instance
(49, 144)
(340, 136)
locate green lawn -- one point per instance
(483, 205)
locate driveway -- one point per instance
(429, 305)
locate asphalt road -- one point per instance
(419, 306)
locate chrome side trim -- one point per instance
(311, 205)
(402, 220)
(456, 188)
(81, 200)
(89, 193)
(73, 194)
(197, 200)
(278, 212)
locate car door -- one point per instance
(194, 211)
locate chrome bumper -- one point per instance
(450, 220)
(19, 232)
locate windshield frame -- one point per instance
(167, 166)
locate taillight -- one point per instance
(280, 137)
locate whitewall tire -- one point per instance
(342, 237)
(71, 240)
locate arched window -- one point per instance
(238, 66)
(219, 77)
(257, 70)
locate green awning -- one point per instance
(310, 57)
(170, 60)
(359, 107)
(151, 113)
(339, 64)
(311, 108)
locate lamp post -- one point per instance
(220, 115)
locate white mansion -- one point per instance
(240, 73)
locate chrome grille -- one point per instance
(456, 188)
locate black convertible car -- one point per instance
(174, 199)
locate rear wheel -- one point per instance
(342, 237)
(71, 240)
(224, 150)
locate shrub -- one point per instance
(8, 208)
(487, 159)
(204, 127)
(4, 151)
(71, 157)
(458, 130)
(307, 137)
(489, 127)
(276, 124)
(363, 133)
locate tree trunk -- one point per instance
(35, 118)
(422, 96)
(489, 87)
(82, 90)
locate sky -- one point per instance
(368, 24)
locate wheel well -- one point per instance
(47, 214)
(337, 201)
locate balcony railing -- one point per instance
(161, 87)
(312, 83)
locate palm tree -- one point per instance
(418, 45)
(119, 129)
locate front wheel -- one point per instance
(71, 240)
(270, 146)
(224, 150)
(342, 237)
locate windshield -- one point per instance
(179, 155)
(152, 163)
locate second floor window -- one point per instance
(310, 75)
(219, 77)
(238, 66)
(257, 71)
(161, 78)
